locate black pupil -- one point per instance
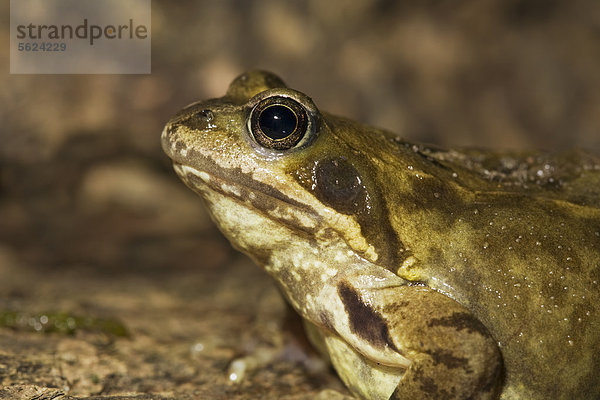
(277, 121)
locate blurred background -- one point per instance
(94, 222)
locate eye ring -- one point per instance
(279, 122)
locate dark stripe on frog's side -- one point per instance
(364, 320)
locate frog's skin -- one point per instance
(420, 272)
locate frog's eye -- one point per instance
(278, 122)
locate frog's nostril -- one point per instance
(206, 114)
(205, 119)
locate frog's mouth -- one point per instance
(251, 194)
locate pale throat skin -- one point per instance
(421, 273)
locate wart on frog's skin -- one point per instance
(420, 272)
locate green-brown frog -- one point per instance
(422, 273)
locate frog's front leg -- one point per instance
(451, 353)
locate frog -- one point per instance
(419, 272)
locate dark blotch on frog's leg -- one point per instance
(460, 321)
(364, 321)
(449, 360)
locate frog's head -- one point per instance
(273, 168)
